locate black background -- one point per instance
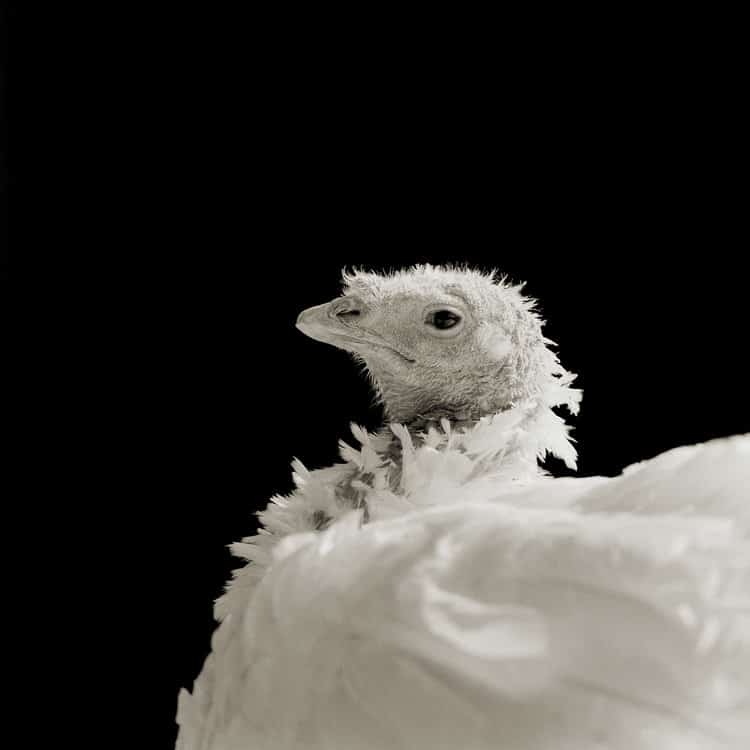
(248, 165)
(4, 178)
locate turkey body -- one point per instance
(454, 598)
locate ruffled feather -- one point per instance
(567, 613)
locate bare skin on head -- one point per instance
(438, 342)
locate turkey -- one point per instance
(438, 589)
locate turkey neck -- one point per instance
(458, 418)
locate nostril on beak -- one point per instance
(347, 309)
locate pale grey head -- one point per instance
(439, 341)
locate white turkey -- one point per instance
(438, 590)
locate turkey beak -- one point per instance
(330, 322)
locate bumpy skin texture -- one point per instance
(438, 590)
(497, 358)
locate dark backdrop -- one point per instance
(611, 191)
(4, 178)
(231, 166)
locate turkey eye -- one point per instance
(444, 319)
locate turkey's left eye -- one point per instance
(444, 319)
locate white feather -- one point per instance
(486, 606)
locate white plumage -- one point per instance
(437, 590)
